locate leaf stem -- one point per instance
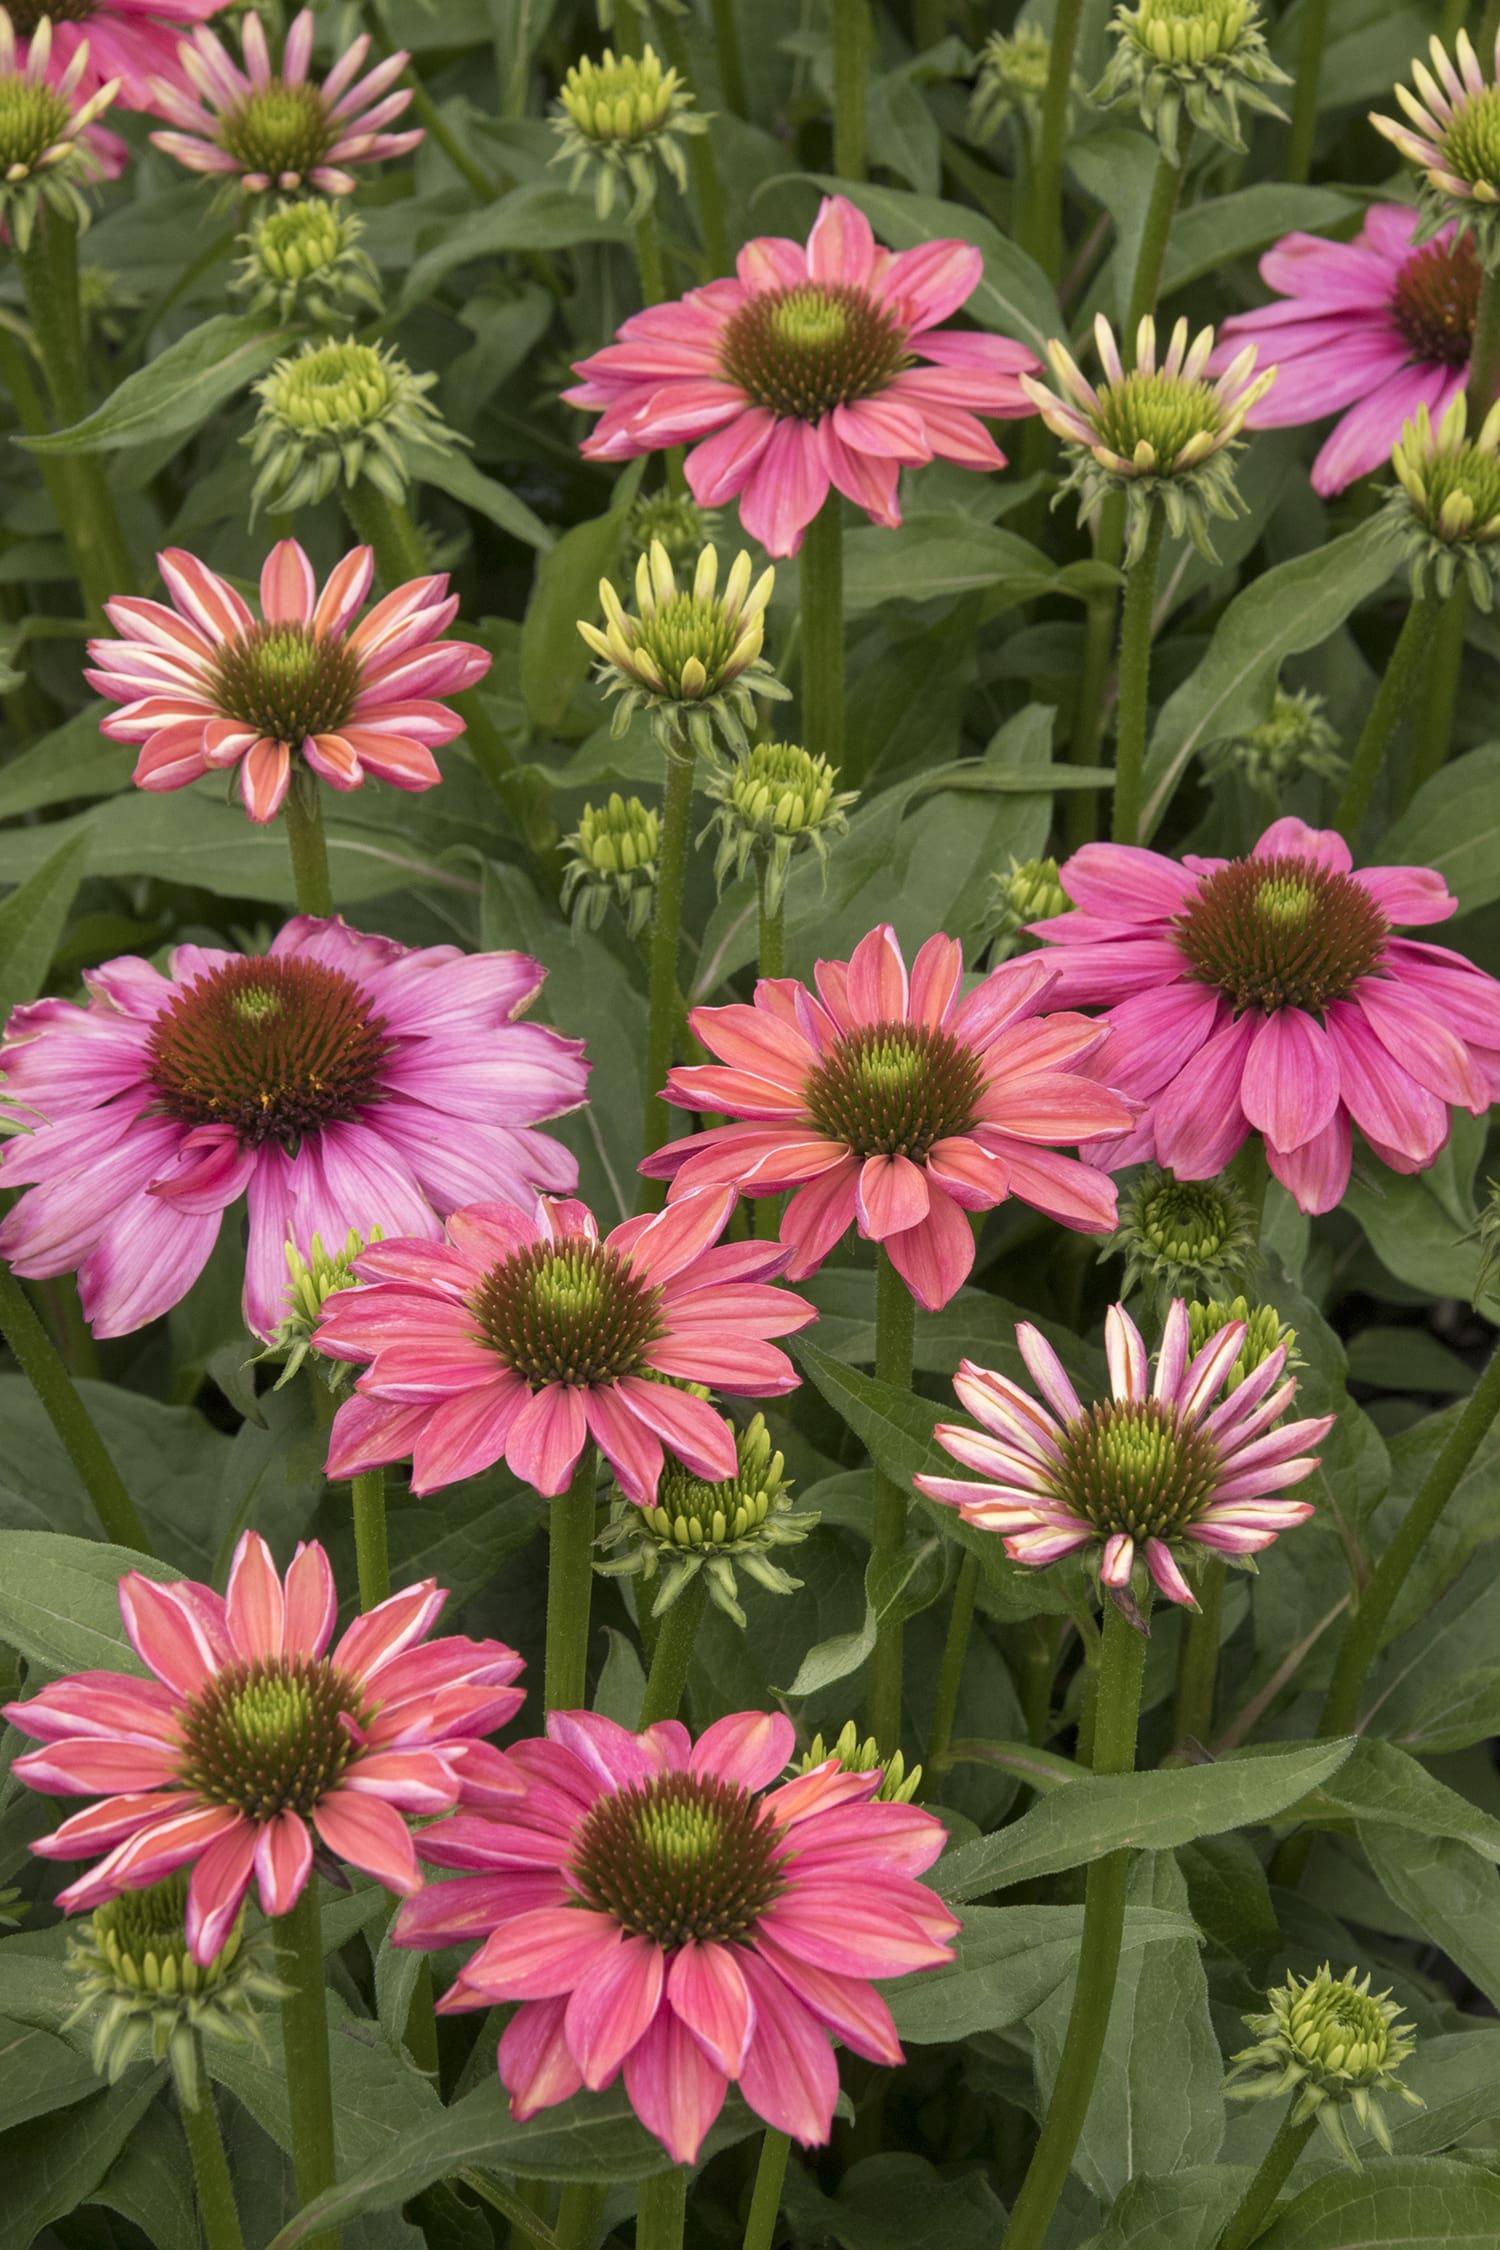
(1042, 229)
(1299, 147)
(303, 814)
(853, 36)
(666, 934)
(677, 1629)
(1135, 682)
(731, 61)
(822, 590)
(41, 1363)
(304, 2031)
(895, 1330)
(1402, 672)
(216, 2205)
(951, 1672)
(371, 1546)
(1253, 2214)
(570, 1587)
(661, 2211)
(765, 2200)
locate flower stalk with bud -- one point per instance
(618, 120)
(1029, 891)
(613, 860)
(338, 415)
(302, 262)
(1190, 59)
(1296, 739)
(1183, 1238)
(774, 802)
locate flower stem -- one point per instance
(580, 2207)
(1432, 723)
(1041, 228)
(1253, 2214)
(951, 1672)
(1299, 147)
(661, 2212)
(1484, 355)
(929, 21)
(765, 2200)
(303, 812)
(1151, 257)
(1081, 810)
(677, 1629)
(1198, 1658)
(304, 2031)
(708, 194)
(370, 1544)
(822, 584)
(772, 948)
(853, 35)
(570, 1586)
(1122, 1661)
(386, 526)
(1401, 675)
(666, 931)
(648, 258)
(1135, 682)
(41, 1363)
(1362, 1633)
(216, 2206)
(731, 61)
(895, 1327)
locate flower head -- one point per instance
(713, 1527)
(690, 659)
(332, 413)
(775, 800)
(681, 526)
(890, 1103)
(897, 1786)
(1452, 135)
(302, 263)
(251, 1738)
(1162, 434)
(1012, 79)
(1337, 2046)
(1296, 739)
(207, 686)
(523, 1335)
(1202, 57)
(665, 1908)
(336, 1081)
(278, 129)
(150, 1997)
(815, 367)
(1028, 891)
(1147, 1474)
(1184, 1238)
(1447, 510)
(612, 860)
(51, 145)
(125, 41)
(311, 1281)
(1271, 994)
(619, 118)
(1265, 1332)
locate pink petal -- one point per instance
(288, 589)
(283, 1858)
(673, 2087)
(255, 1603)
(707, 1989)
(789, 2076)
(372, 1837)
(547, 1437)
(170, 1636)
(892, 1196)
(217, 1888)
(1289, 1089)
(748, 1748)
(613, 2007)
(535, 2064)
(1199, 1122)
(311, 1603)
(934, 1258)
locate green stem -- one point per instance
(771, 954)
(580, 2209)
(41, 1363)
(929, 22)
(677, 1629)
(386, 526)
(666, 931)
(1042, 230)
(1122, 1662)
(1198, 1659)
(951, 1672)
(853, 36)
(304, 2031)
(1151, 257)
(420, 2036)
(1135, 682)
(1081, 812)
(648, 258)
(661, 2210)
(15, 370)
(765, 2201)
(1253, 2214)
(708, 194)
(895, 1328)
(731, 61)
(1036, 1664)
(216, 2206)
(1402, 672)
(1484, 356)
(302, 812)
(1366, 1624)
(1432, 722)
(371, 1547)
(570, 1587)
(1299, 147)
(822, 588)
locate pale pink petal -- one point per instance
(371, 1836)
(255, 1604)
(674, 2089)
(613, 2006)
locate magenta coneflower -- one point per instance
(51, 143)
(337, 1081)
(890, 1103)
(524, 1335)
(131, 41)
(250, 1738)
(659, 1907)
(1376, 325)
(1269, 994)
(277, 129)
(1145, 1469)
(807, 371)
(207, 685)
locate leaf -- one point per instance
(49, 2167)
(834, 1659)
(381, 2102)
(540, 216)
(74, 760)
(59, 1600)
(1448, 1892)
(1205, 236)
(1189, 2211)
(178, 390)
(555, 657)
(1285, 610)
(455, 474)
(1407, 1359)
(1453, 825)
(933, 556)
(1418, 1225)
(890, 2202)
(1458, 2076)
(32, 921)
(151, 2183)
(1380, 1784)
(38, 2072)
(1007, 1959)
(1137, 1812)
(1416, 2203)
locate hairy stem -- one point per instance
(304, 2031)
(1198, 1659)
(570, 1588)
(1299, 147)
(895, 1327)
(765, 2200)
(1432, 722)
(666, 933)
(1041, 228)
(1402, 672)
(853, 36)
(822, 588)
(677, 1629)
(371, 1546)
(1253, 2214)
(216, 2205)
(1135, 683)
(302, 813)
(661, 2210)
(951, 1672)
(41, 1363)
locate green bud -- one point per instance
(1184, 1238)
(337, 413)
(897, 1786)
(1336, 2046)
(619, 119)
(1199, 57)
(692, 661)
(1296, 739)
(1265, 1332)
(1011, 82)
(1029, 891)
(311, 1282)
(302, 263)
(774, 801)
(612, 860)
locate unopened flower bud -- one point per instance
(1199, 57)
(1184, 1238)
(673, 519)
(897, 1786)
(1447, 507)
(1296, 739)
(612, 860)
(1335, 2045)
(1265, 1332)
(47, 153)
(302, 262)
(1029, 891)
(312, 1280)
(690, 660)
(1011, 81)
(773, 802)
(619, 118)
(337, 413)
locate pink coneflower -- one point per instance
(50, 140)
(249, 1735)
(524, 1335)
(807, 371)
(132, 41)
(207, 685)
(658, 1907)
(1145, 1468)
(1268, 994)
(891, 1104)
(1374, 325)
(278, 129)
(337, 1081)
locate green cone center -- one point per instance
(269, 1737)
(286, 682)
(679, 1858)
(32, 120)
(1282, 933)
(802, 351)
(1161, 411)
(575, 1313)
(893, 1089)
(282, 130)
(1470, 144)
(1131, 1466)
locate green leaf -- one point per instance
(1447, 1891)
(178, 390)
(1408, 1359)
(1285, 610)
(455, 474)
(555, 658)
(935, 556)
(50, 2166)
(1418, 1225)
(890, 2202)
(1453, 825)
(151, 2183)
(1206, 236)
(59, 1600)
(1139, 1812)
(1007, 1960)
(1409, 2203)
(1458, 2077)
(38, 2072)
(1189, 2211)
(381, 2102)
(74, 760)
(1381, 1784)
(834, 1659)
(32, 921)
(1014, 294)
(540, 216)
